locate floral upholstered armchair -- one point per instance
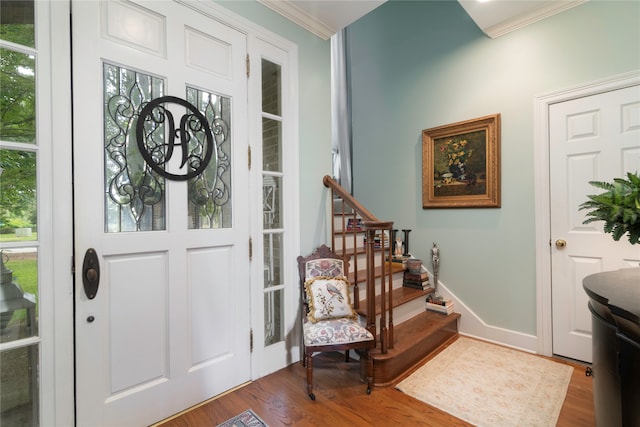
(329, 322)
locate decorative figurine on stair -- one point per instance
(435, 301)
(435, 264)
(399, 248)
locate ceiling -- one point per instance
(495, 18)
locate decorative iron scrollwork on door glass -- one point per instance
(210, 191)
(134, 192)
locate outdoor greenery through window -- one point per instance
(18, 82)
(18, 216)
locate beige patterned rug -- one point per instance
(488, 385)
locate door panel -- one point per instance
(170, 324)
(594, 138)
(133, 279)
(210, 304)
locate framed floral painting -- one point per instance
(461, 164)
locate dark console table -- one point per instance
(614, 302)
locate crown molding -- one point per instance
(529, 18)
(300, 17)
(321, 28)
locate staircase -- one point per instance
(406, 333)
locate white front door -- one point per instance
(169, 324)
(594, 138)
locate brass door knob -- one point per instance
(561, 243)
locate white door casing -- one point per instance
(170, 323)
(586, 137)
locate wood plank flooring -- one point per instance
(280, 399)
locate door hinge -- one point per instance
(73, 264)
(250, 248)
(249, 157)
(248, 66)
(251, 341)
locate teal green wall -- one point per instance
(314, 75)
(420, 64)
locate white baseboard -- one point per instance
(473, 326)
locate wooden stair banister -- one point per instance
(344, 195)
(372, 226)
(419, 332)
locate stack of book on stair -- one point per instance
(377, 240)
(415, 280)
(441, 305)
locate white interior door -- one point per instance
(169, 325)
(594, 138)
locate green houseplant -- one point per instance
(618, 207)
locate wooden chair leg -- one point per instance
(309, 359)
(346, 356)
(304, 356)
(369, 371)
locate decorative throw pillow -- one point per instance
(328, 298)
(327, 267)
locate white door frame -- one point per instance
(542, 192)
(56, 357)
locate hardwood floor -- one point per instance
(280, 399)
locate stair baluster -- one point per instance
(372, 227)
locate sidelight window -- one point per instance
(19, 243)
(273, 221)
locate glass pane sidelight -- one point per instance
(273, 265)
(210, 192)
(19, 339)
(18, 293)
(272, 178)
(18, 23)
(271, 201)
(18, 99)
(19, 385)
(273, 315)
(271, 88)
(18, 213)
(134, 193)
(271, 138)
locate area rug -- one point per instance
(488, 385)
(246, 419)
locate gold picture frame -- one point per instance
(461, 164)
